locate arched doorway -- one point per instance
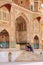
(4, 39)
(36, 42)
(21, 32)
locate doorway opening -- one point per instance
(21, 32)
(4, 39)
(36, 42)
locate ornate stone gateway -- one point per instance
(4, 39)
(21, 32)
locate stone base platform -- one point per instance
(29, 57)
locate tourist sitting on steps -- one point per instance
(28, 47)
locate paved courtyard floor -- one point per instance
(29, 57)
(22, 56)
(22, 63)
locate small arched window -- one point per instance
(36, 42)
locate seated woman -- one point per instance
(28, 47)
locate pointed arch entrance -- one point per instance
(4, 39)
(36, 42)
(21, 31)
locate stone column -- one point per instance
(28, 30)
(28, 33)
(10, 42)
(31, 30)
(12, 29)
(40, 35)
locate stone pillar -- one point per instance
(9, 41)
(40, 35)
(12, 30)
(31, 30)
(12, 44)
(28, 31)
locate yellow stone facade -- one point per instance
(33, 20)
